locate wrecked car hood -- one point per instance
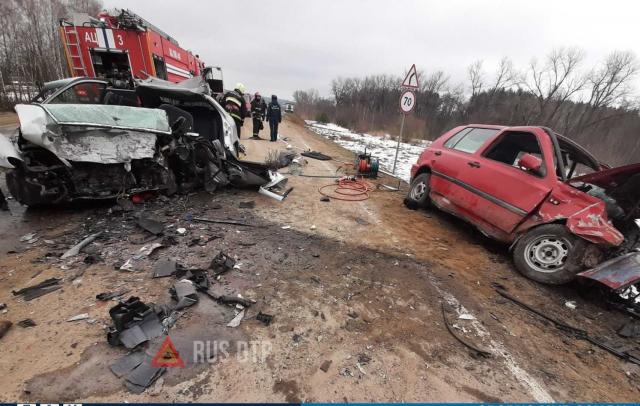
(93, 133)
(609, 178)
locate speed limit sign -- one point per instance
(407, 101)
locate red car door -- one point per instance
(449, 164)
(503, 193)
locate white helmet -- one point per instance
(240, 87)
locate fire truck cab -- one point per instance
(121, 46)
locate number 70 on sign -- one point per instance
(407, 101)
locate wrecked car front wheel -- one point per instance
(550, 254)
(418, 196)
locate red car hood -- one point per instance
(609, 178)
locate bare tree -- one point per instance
(435, 82)
(476, 77)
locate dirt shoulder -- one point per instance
(359, 284)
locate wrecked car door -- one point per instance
(504, 193)
(450, 162)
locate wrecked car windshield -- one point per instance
(110, 116)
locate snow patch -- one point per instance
(383, 148)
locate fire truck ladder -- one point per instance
(73, 50)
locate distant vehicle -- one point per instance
(123, 46)
(288, 108)
(561, 210)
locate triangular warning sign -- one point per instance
(411, 80)
(167, 356)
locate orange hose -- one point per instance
(348, 189)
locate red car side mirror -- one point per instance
(531, 163)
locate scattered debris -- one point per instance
(151, 225)
(40, 289)
(630, 330)
(571, 304)
(221, 264)
(276, 187)
(3, 306)
(325, 199)
(28, 237)
(26, 323)
(184, 292)
(236, 320)
(134, 323)
(164, 268)
(475, 349)
(181, 231)
(573, 331)
(324, 367)
(215, 221)
(265, 318)
(466, 316)
(75, 250)
(105, 296)
(316, 155)
(83, 316)
(5, 325)
(352, 314)
(143, 376)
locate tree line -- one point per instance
(31, 51)
(597, 106)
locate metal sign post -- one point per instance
(407, 103)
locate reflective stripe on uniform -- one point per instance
(234, 100)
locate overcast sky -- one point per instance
(278, 46)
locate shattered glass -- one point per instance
(111, 116)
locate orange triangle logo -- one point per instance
(167, 356)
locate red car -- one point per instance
(560, 209)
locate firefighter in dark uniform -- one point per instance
(235, 105)
(274, 115)
(3, 202)
(258, 111)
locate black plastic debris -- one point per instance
(27, 323)
(247, 205)
(5, 325)
(105, 296)
(316, 155)
(40, 289)
(325, 199)
(92, 259)
(164, 268)
(630, 330)
(265, 318)
(127, 363)
(151, 225)
(134, 323)
(184, 292)
(198, 276)
(143, 376)
(3, 306)
(221, 264)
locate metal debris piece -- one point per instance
(236, 320)
(265, 318)
(78, 317)
(26, 323)
(27, 237)
(181, 231)
(151, 225)
(75, 250)
(478, 351)
(571, 304)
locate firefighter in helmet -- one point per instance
(235, 105)
(258, 110)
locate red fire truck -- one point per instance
(121, 46)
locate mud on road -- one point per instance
(359, 284)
